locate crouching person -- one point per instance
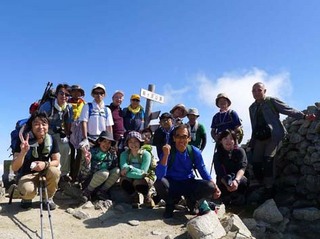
(175, 177)
(230, 166)
(135, 177)
(104, 169)
(36, 154)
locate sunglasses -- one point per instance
(63, 93)
(135, 100)
(98, 93)
(181, 137)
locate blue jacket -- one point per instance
(181, 168)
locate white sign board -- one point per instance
(152, 96)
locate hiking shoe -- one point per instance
(148, 202)
(103, 195)
(86, 195)
(136, 200)
(26, 204)
(168, 212)
(50, 203)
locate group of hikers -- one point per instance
(96, 145)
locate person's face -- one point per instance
(223, 103)
(98, 94)
(117, 99)
(192, 118)
(135, 103)
(75, 94)
(62, 96)
(105, 145)
(134, 144)
(181, 139)
(178, 113)
(39, 128)
(166, 123)
(228, 142)
(258, 92)
(146, 136)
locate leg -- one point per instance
(27, 187)
(52, 175)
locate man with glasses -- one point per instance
(175, 176)
(163, 135)
(95, 116)
(60, 114)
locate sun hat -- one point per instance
(180, 106)
(134, 134)
(77, 88)
(106, 135)
(222, 95)
(96, 86)
(135, 97)
(118, 92)
(193, 111)
(166, 115)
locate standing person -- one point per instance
(230, 166)
(95, 116)
(133, 115)
(178, 112)
(225, 118)
(134, 165)
(77, 102)
(175, 177)
(32, 159)
(60, 114)
(198, 132)
(104, 169)
(163, 134)
(117, 115)
(267, 132)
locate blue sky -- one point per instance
(190, 51)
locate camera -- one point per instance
(229, 178)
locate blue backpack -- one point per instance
(14, 135)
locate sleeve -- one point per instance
(235, 119)
(139, 173)
(55, 146)
(199, 163)
(243, 163)
(213, 124)
(109, 120)
(84, 115)
(283, 108)
(161, 170)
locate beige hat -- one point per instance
(118, 92)
(222, 95)
(193, 111)
(185, 112)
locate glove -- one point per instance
(65, 140)
(84, 144)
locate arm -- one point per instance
(18, 158)
(161, 169)
(141, 172)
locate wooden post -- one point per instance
(148, 107)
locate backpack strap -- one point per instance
(190, 154)
(91, 108)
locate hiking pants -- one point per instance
(104, 177)
(65, 151)
(28, 184)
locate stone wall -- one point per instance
(298, 163)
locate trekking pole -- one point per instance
(45, 93)
(44, 181)
(41, 205)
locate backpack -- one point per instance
(91, 108)
(240, 132)
(153, 164)
(191, 155)
(14, 135)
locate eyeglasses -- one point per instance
(181, 137)
(136, 100)
(98, 93)
(64, 93)
(165, 120)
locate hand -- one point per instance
(123, 172)
(84, 143)
(24, 146)
(233, 187)
(217, 193)
(64, 140)
(166, 149)
(39, 166)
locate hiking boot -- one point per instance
(86, 195)
(103, 195)
(168, 212)
(50, 203)
(148, 202)
(135, 200)
(26, 204)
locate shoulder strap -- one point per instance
(90, 108)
